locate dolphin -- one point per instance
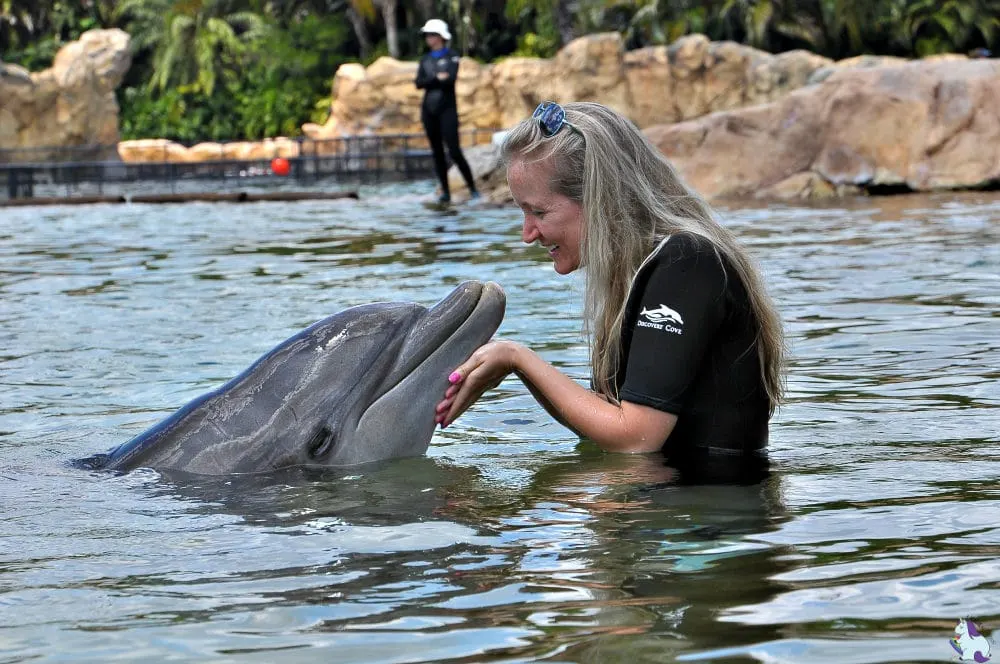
(356, 387)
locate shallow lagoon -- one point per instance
(511, 540)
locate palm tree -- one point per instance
(388, 10)
(25, 21)
(564, 20)
(193, 41)
(360, 13)
(18, 19)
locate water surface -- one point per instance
(511, 540)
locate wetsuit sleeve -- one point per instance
(681, 306)
(426, 77)
(453, 62)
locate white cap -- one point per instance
(437, 27)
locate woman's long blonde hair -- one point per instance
(633, 198)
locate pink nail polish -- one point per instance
(454, 377)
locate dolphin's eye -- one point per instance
(322, 442)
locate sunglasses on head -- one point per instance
(551, 118)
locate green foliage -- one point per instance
(193, 43)
(280, 77)
(31, 32)
(176, 115)
(541, 39)
(235, 69)
(37, 55)
(532, 45)
(835, 28)
(381, 49)
(937, 26)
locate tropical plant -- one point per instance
(229, 69)
(543, 40)
(194, 41)
(359, 13)
(273, 91)
(388, 11)
(31, 32)
(940, 26)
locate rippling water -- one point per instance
(511, 540)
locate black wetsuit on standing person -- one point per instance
(689, 347)
(439, 114)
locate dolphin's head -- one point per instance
(392, 362)
(359, 386)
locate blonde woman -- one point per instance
(686, 347)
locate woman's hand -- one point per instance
(626, 427)
(484, 370)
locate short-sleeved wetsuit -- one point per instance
(689, 347)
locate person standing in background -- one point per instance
(436, 76)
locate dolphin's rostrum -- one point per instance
(356, 387)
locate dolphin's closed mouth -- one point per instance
(465, 307)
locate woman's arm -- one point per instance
(425, 75)
(452, 70)
(627, 427)
(545, 403)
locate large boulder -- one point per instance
(651, 86)
(72, 103)
(161, 150)
(145, 150)
(592, 69)
(691, 77)
(519, 84)
(921, 125)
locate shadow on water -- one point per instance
(682, 553)
(385, 494)
(604, 554)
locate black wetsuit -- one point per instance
(689, 348)
(439, 114)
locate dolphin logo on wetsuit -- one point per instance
(664, 313)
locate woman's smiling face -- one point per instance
(553, 220)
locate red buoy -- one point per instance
(280, 166)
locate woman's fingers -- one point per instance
(484, 370)
(478, 381)
(455, 403)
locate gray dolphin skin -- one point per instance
(356, 387)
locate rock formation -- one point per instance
(160, 149)
(687, 79)
(70, 104)
(921, 125)
(736, 121)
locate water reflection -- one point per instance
(679, 552)
(510, 539)
(388, 493)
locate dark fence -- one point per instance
(97, 170)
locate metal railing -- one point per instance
(98, 169)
